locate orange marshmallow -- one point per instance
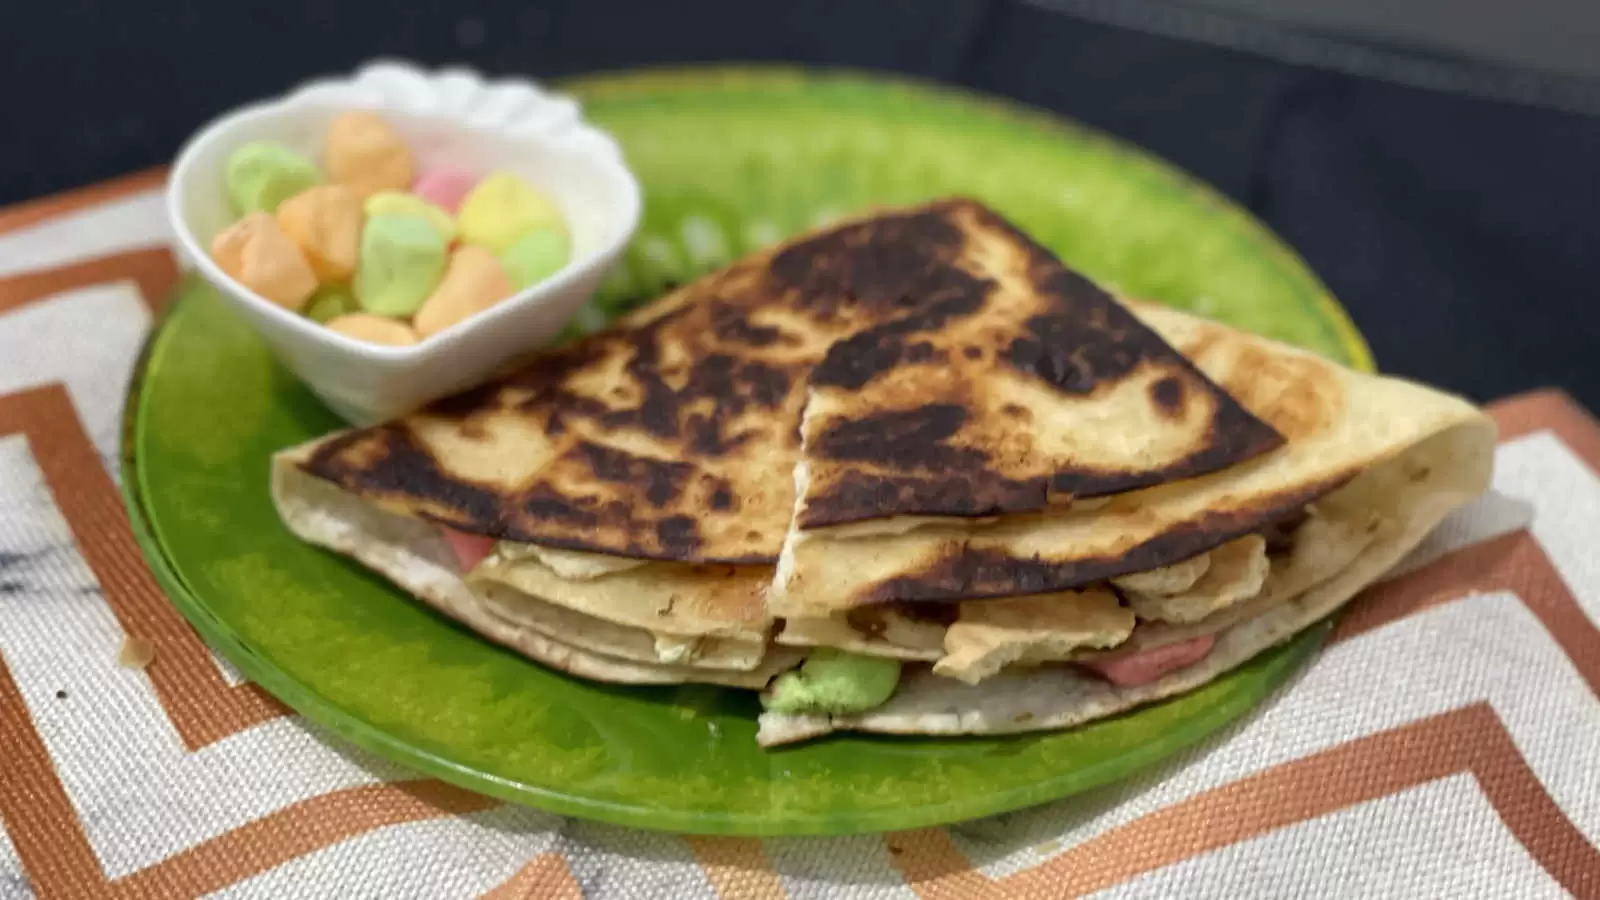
(363, 152)
(373, 329)
(325, 223)
(473, 282)
(255, 252)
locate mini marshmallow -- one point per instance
(260, 175)
(374, 329)
(325, 223)
(362, 151)
(331, 302)
(402, 259)
(473, 283)
(535, 256)
(396, 203)
(255, 252)
(503, 208)
(445, 186)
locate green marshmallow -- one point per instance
(386, 203)
(260, 175)
(330, 302)
(833, 682)
(402, 260)
(536, 256)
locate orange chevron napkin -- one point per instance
(1445, 743)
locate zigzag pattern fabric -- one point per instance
(1440, 745)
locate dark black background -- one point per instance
(1459, 231)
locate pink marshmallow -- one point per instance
(445, 186)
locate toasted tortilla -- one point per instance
(673, 436)
(1338, 424)
(1023, 387)
(1373, 521)
(414, 555)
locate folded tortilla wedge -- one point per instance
(1264, 549)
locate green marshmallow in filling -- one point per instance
(260, 175)
(833, 682)
(535, 256)
(402, 260)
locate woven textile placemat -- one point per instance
(1445, 743)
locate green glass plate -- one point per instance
(730, 159)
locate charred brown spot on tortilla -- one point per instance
(889, 263)
(707, 437)
(544, 503)
(858, 359)
(1167, 395)
(909, 438)
(977, 574)
(732, 324)
(1083, 338)
(722, 498)
(678, 534)
(857, 496)
(765, 386)
(922, 352)
(965, 488)
(387, 461)
(1018, 413)
(661, 481)
(912, 440)
(972, 352)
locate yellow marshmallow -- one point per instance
(325, 223)
(403, 204)
(255, 252)
(362, 151)
(502, 208)
(473, 282)
(373, 329)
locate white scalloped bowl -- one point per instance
(451, 116)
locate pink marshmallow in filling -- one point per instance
(1145, 666)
